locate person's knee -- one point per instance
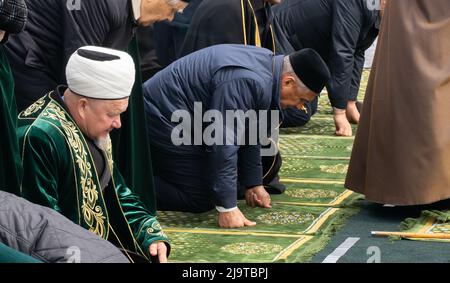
(176, 197)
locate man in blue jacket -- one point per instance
(196, 175)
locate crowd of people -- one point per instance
(92, 93)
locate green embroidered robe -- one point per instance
(59, 172)
(10, 168)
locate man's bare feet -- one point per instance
(343, 127)
(352, 112)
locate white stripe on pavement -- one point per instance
(341, 250)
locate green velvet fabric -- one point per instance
(8, 255)
(10, 165)
(130, 142)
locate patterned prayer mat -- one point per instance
(300, 222)
(432, 225)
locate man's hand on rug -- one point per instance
(234, 219)
(343, 127)
(159, 249)
(257, 196)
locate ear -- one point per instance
(182, 5)
(287, 81)
(81, 107)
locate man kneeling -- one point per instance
(215, 81)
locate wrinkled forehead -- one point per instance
(117, 105)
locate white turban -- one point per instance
(100, 73)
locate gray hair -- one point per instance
(288, 70)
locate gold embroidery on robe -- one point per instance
(92, 213)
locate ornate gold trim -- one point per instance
(35, 107)
(93, 214)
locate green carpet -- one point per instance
(301, 221)
(431, 225)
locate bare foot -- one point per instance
(352, 112)
(343, 127)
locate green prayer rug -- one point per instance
(301, 221)
(432, 225)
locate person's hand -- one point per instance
(257, 196)
(234, 219)
(352, 112)
(343, 127)
(159, 249)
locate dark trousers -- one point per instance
(181, 197)
(181, 183)
(271, 180)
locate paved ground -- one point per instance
(367, 248)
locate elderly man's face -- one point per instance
(158, 10)
(292, 95)
(102, 116)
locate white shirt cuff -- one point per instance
(223, 209)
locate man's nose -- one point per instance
(117, 123)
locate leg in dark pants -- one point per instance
(180, 181)
(271, 180)
(176, 197)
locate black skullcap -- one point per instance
(96, 56)
(310, 69)
(13, 15)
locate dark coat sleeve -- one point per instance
(356, 75)
(282, 44)
(223, 159)
(293, 117)
(250, 166)
(92, 24)
(214, 22)
(347, 22)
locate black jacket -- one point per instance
(340, 31)
(223, 21)
(55, 29)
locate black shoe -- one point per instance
(275, 188)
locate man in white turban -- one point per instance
(67, 154)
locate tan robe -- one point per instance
(401, 153)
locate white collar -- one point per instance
(136, 5)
